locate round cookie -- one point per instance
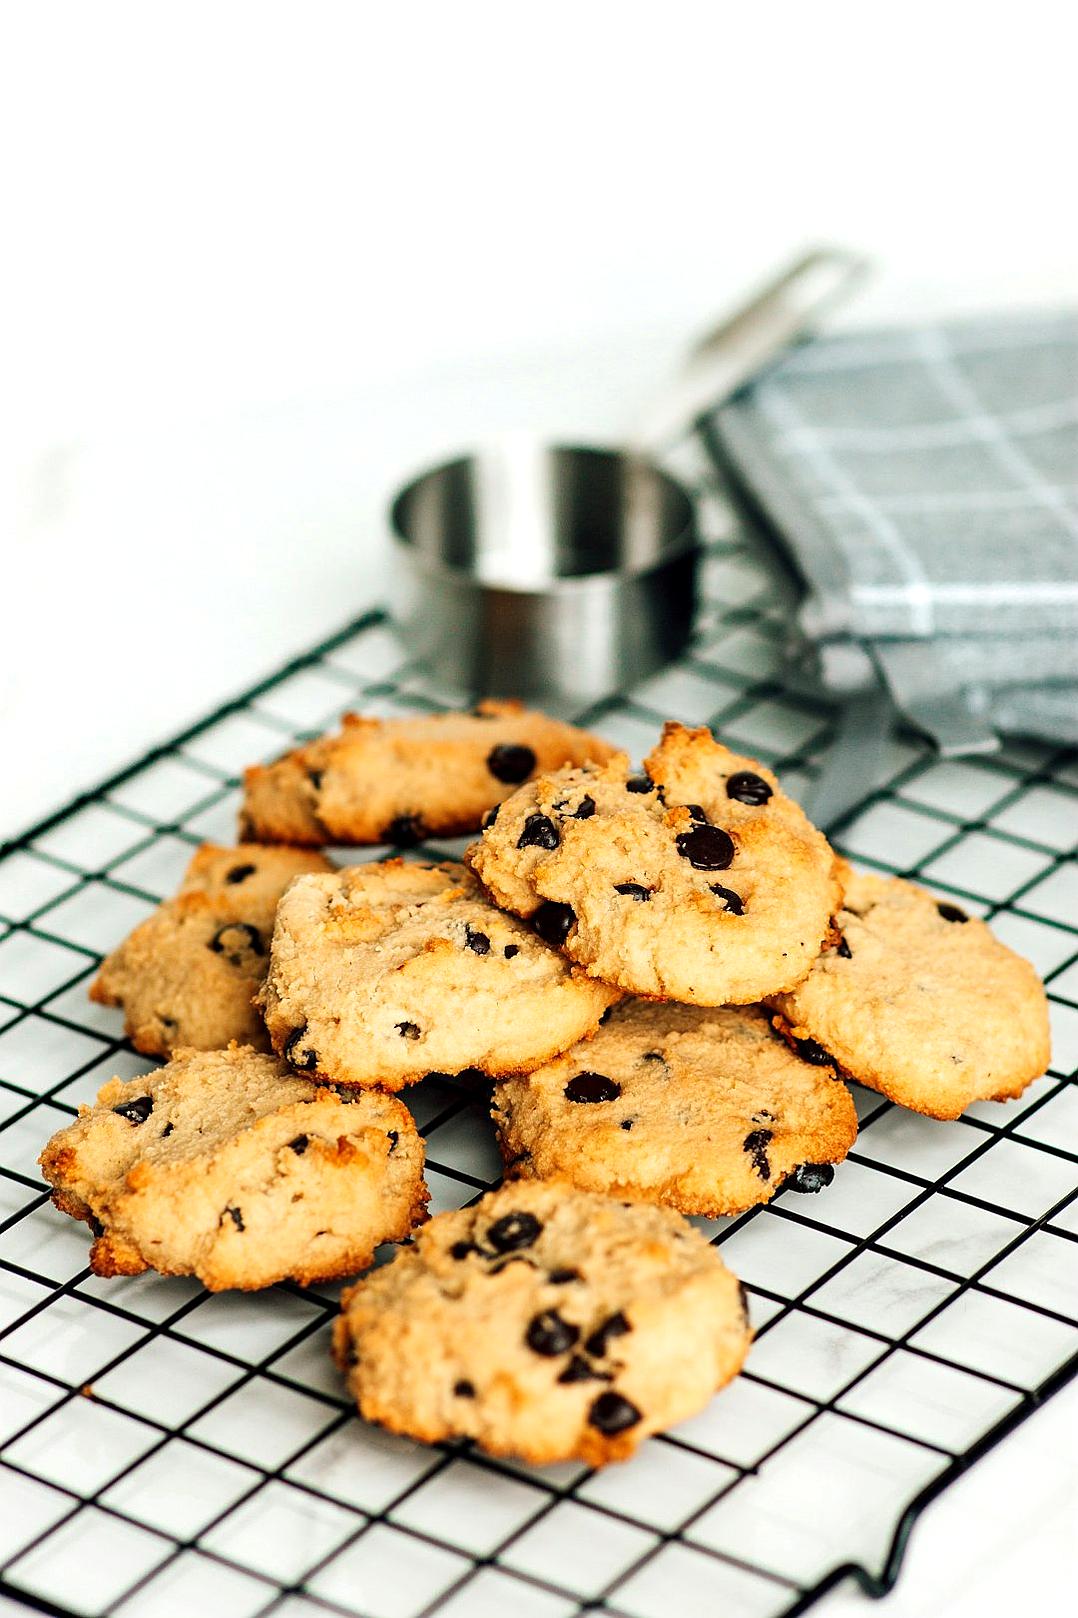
(707, 1111)
(698, 881)
(225, 1166)
(187, 974)
(546, 1323)
(400, 780)
(380, 974)
(920, 1001)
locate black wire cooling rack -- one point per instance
(164, 1451)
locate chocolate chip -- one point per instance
(461, 1250)
(633, 890)
(392, 1137)
(730, 899)
(490, 817)
(748, 787)
(548, 1334)
(706, 848)
(554, 922)
(810, 1050)
(578, 1370)
(697, 813)
(560, 1278)
(136, 1111)
(510, 950)
(304, 1061)
(592, 1087)
(300, 1144)
(811, 1177)
(764, 1116)
(844, 949)
(235, 1216)
(513, 1231)
(235, 940)
(464, 1389)
(584, 809)
(612, 1413)
(640, 783)
(315, 778)
(239, 873)
(626, 1124)
(510, 762)
(756, 1144)
(653, 1056)
(477, 942)
(615, 1326)
(951, 913)
(539, 832)
(405, 831)
(167, 1131)
(407, 1030)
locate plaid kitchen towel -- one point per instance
(926, 484)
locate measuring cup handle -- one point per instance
(787, 308)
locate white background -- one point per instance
(261, 260)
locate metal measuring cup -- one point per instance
(564, 572)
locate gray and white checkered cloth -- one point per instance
(926, 483)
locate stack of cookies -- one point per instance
(667, 975)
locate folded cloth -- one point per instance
(964, 690)
(1048, 711)
(926, 484)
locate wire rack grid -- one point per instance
(164, 1451)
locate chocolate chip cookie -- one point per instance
(918, 1000)
(225, 1166)
(186, 976)
(380, 974)
(699, 880)
(401, 780)
(707, 1111)
(544, 1322)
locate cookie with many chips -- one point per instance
(699, 880)
(707, 1111)
(544, 1322)
(225, 1166)
(401, 780)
